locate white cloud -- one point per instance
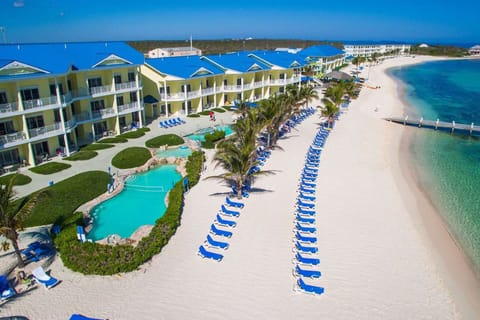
(19, 3)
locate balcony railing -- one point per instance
(193, 94)
(70, 124)
(38, 103)
(258, 84)
(103, 113)
(84, 116)
(96, 91)
(125, 86)
(174, 96)
(247, 86)
(12, 137)
(44, 130)
(207, 91)
(228, 87)
(129, 107)
(8, 107)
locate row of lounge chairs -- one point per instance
(220, 230)
(172, 122)
(36, 251)
(305, 240)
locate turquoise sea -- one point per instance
(448, 165)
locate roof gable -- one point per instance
(112, 59)
(15, 68)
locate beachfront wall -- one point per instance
(57, 97)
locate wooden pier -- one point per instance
(452, 127)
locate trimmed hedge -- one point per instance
(219, 110)
(20, 180)
(113, 140)
(204, 113)
(211, 138)
(97, 146)
(131, 158)
(132, 134)
(82, 155)
(50, 167)
(65, 196)
(94, 258)
(193, 115)
(170, 139)
(228, 108)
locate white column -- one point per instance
(215, 93)
(185, 98)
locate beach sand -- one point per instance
(379, 257)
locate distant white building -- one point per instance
(174, 52)
(423, 45)
(367, 49)
(289, 50)
(475, 50)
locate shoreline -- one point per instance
(462, 277)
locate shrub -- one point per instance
(208, 145)
(97, 146)
(20, 179)
(166, 139)
(113, 140)
(65, 196)
(50, 167)
(219, 110)
(132, 134)
(193, 115)
(227, 108)
(211, 138)
(131, 157)
(204, 113)
(93, 258)
(82, 155)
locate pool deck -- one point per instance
(104, 158)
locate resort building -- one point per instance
(174, 52)
(185, 85)
(364, 49)
(57, 97)
(474, 51)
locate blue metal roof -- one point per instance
(282, 59)
(184, 67)
(238, 61)
(57, 58)
(324, 50)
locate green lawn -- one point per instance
(97, 146)
(50, 167)
(113, 140)
(193, 115)
(170, 139)
(132, 134)
(219, 110)
(82, 155)
(20, 180)
(131, 157)
(67, 195)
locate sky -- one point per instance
(410, 21)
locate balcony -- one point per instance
(258, 84)
(127, 86)
(207, 91)
(8, 107)
(230, 88)
(100, 91)
(83, 117)
(129, 107)
(179, 96)
(103, 113)
(46, 131)
(192, 94)
(70, 124)
(247, 86)
(12, 138)
(40, 103)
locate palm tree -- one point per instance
(242, 109)
(358, 60)
(308, 94)
(329, 110)
(13, 212)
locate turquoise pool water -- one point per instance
(181, 152)
(200, 134)
(141, 202)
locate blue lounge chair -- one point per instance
(214, 243)
(220, 232)
(303, 228)
(298, 271)
(306, 212)
(6, 291)
(29, 255)
(224, 222)
(306, 190)
(305, 260)
(230, 212)
(77, 316)
(204, 253)
(304, 196)
(305, 238)
(308, 178)
(305, 249)
(43, 278)
(310, 168)
(303, 219)
(308, 184)
(305, 204)
(235, 204)
(307, 288)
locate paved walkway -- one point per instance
(104, 158)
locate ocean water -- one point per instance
(448, 165)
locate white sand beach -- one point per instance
(380, 241)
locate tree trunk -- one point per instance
(21, 263)
(239, 189)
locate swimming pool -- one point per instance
(181, 152)
(141, 202)
(199, 135)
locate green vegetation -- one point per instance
(65, 196)
(166, 139)
(229, 45)
(211, 138)
(50, 167)
(448, 51)
(219, 110)
(113, 140)
(97, 146)
(228, 108)
(93, 258)
(131, 158)
(82, 155)
(204, 113)
(132, 134)
(193, 115)
(20, 179)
